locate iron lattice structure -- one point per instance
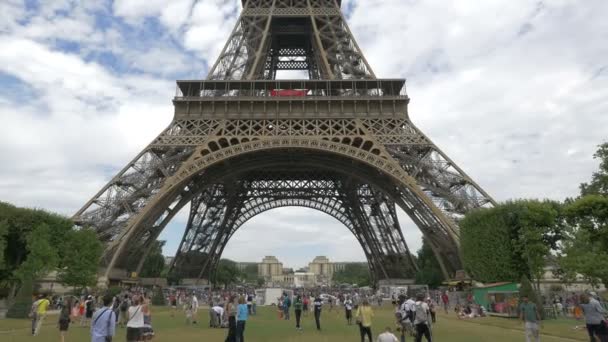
(242, 142)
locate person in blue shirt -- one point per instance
(286, 305)
(103, 322)
(241, 318)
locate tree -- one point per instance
(526, 289)
(18, 225)
(510, 240)
(585, 248)
(353, 273)
(250, 273)
(81, 253)
(154, 265)
(429, 272)
(227, 273)
(599, 179)
(42, 256)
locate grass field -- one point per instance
(266, 327)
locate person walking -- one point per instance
(135, 322)
(297, 306)
(286, 306)
(387, 336)
(594, 318)
(364, 319)
(318, 304)
(241, 319)
(348, 309)
(421, 319)
(39, 309)
(528, 312)
(64, 318)
(103, 323)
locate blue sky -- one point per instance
(516, 92)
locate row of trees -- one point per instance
(519, 238)
(35, 242)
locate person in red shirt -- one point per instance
(446, 301)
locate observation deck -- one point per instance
(277, 99)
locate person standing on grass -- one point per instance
(135, 323)
(421, 319)
(173, 302)
(194, 308)
(348, 309)
(231, 309)
(528, 312)
(297, 306)
(387, 336)
(318, 304)
(241, 319)
(64, 318)
(103, 323)
(89, 307)
(432, 310)
(306, 303)
(446, 301)
(124, 307)
(594, 318)
(364, 319)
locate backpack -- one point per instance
(124, 306)
(421, 313)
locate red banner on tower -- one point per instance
(289, 92)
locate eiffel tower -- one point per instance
(243, 142)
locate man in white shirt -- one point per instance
(421, 321)
(387, 336)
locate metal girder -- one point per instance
(341, 142)
(329, 49)
(366, 212)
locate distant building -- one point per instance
(304, 279)
(270, 267)
(324, 269)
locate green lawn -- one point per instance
(266, 327)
